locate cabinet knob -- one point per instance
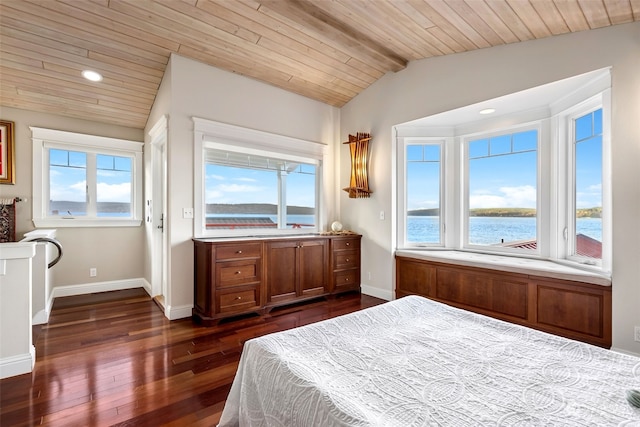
(238, 272)
(346, 280)
(347, 260)
(238, 297)
(348, 244)
(239, 252)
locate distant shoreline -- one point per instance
(507, 212)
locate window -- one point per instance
(256, 192)
(85, 180)
(533, 182)
(423, 192)
(585, 222)
(255, 183)
(502, 190)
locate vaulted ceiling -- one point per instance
(328, 50)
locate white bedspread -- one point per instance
(416, 362)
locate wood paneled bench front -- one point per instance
(538, 294)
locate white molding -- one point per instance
(377, 292)
(178, 312)
(73, 138)
(19, 364)
(41, 317)
(90, 288)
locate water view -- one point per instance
(492, 230)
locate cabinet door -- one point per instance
(281, 269)
(313, 267)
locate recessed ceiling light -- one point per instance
(92, 75)
(488, 111)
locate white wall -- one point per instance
(116, 252)
(439, 84)
(206, 92)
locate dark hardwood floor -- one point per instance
(113, 359)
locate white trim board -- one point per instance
(91, 288)
(18, 364)
(377, 292)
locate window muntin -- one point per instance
(586, 236)
(85, 180)
(502, 191)
(423, 224)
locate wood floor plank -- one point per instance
(112, 358)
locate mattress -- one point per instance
(417, 362)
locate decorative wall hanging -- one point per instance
(7, 160)
(359, 151)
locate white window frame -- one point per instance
(209, 134)
(566, 204)
(45, 139)
(404, 142)
(541, 194)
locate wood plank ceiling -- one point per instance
(328, 50)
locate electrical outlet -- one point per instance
(93, 272)
(636, 335)
(382, 215)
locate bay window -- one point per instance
(533, 182)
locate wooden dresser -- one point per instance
(573, 309)
(234, 277)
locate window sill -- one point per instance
(83, 222)
(537, 267)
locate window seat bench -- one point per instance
(544, 295)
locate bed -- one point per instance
(417, 362)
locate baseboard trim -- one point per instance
(376, 292)
(178, 312)
(19, 364)
(91, 288)
(40, 318)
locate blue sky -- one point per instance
(237, 185)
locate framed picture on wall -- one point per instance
(7, 159)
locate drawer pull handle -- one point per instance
(239, 252)
(348, 244)
(238, 272)
(347, 259)
(346, 280)
(238, 297)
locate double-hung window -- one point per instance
(255, 183)
(85, 180)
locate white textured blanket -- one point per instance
(416, 362)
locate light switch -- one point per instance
(187, 213)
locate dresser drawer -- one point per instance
(234, 273)
(347, 278)
(239, 301)
(344, 244)
(242, 250)
(346, 259)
